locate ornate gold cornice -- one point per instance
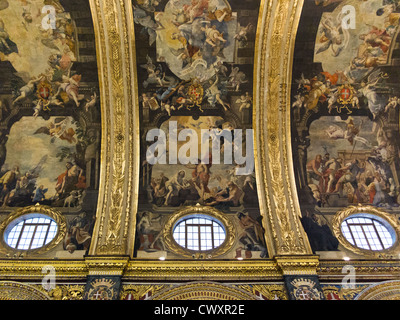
(363, 269)
(190, 270)
(143, 269)
(32, 269)
(106, 265)
(298, 265)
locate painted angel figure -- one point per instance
(214, 38)
(237, 78)
(241, 36)
(155, 74)
(297, 105)
(195, 9)
(148, 5)
(299, 101)
(58, 129)
(244, 101)
(149, 65)
(40, 105)
(168, 107)
(186, 51)
(368, 90)
(70, 85)
(6, 45)
(149, 25)
(392, 103)
(213, 93)
(333, 96)
(92, 102)
(220, 68)
(334, 36)
(350, 132)
(28, 89)
(303, 82)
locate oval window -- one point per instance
(199, 232)
(31, 231)
(368, 232)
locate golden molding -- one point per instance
(199, 270)
(33, 269)
(106, 266)
(10, 290)
(388, 290)
(56, 215)
(341, 215)
(298, 265)
(366, 269)
(202, 210)
(190, 270)
(204, 291)
(143, 269)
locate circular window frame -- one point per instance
(370, 212)
(203, 211)
(16, 217)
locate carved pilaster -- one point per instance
(104, 277)
(300, 277)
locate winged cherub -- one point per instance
(333, 37)
(59, 128)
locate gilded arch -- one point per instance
(203, 291)
(118, 68)
(116, 217)
(12, 290)
(275, 179)
(386, 290)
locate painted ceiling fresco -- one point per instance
(195, 72)
(345, 116)
(50, 116)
